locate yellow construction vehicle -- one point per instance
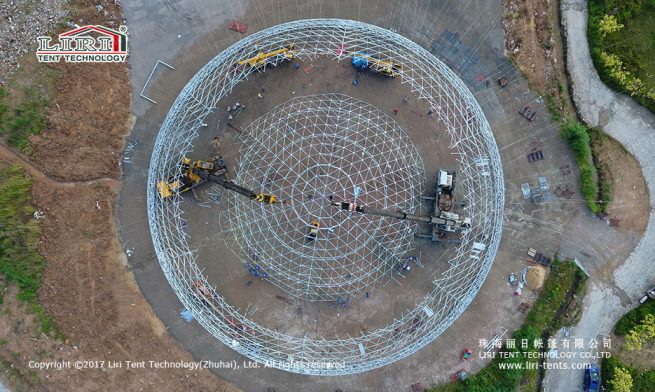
(313, 230)
(189, 178)
(262, 59)
(363, 61)
(195, 173)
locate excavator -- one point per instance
(262, 59)
(195, 173)
(190, 179)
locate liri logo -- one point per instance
(86, 44)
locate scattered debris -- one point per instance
(418, 387)
(535, 156)
(527, 112)
(513, 280)
(459, 375)
(523, 307)
(539, 257)
(21, 25)
(565, 170)
(238, 26)
(284, 299)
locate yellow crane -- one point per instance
(363, 61)
(264, 58)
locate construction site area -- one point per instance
(331, 127)
(342, 196)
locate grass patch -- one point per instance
(561, 292)
(595, 182)
(20, 261)
(603, 171)
(26, 119)
(625, 56)
(642, 380)
(595, 179)
(634, 318)
(24, 102)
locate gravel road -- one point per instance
(634, 127)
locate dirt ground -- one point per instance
(388, 298)
(86, 288)
(533, 40)
(642, 359)
(630, 205)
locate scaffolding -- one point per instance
(309, 151)
(480, 182)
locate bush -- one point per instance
(633, 318)
(20, 261)
(624, 60)
(642, 381)
(621, 381)
(565, 278)
(578, 138)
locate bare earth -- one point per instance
(94, 299)
(86, 288)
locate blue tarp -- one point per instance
(186, 315)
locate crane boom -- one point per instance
(229, 185)
(445, 220)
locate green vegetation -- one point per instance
(26, 119)
(621, 380)
(563, 286)
(595, 179)
(633, 318)
(20, 262)
(24, 102)
(640, 320)
(641, 334)
(642, 381)
(622, 41)
(595, 183)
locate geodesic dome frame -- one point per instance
(305, 151)
(480, 183)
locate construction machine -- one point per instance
(445, 221)
(444, 190)
(363, 61)
(199, 172)
(313, 230)
(447, 226)
(189, 179)
(262, 59)
(195, 173)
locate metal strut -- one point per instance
(434, 220)
(229, 185)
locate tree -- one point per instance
(622, 380)
(608, 25)
(642, 333)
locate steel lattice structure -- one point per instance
(305, 151)
(480, 182)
